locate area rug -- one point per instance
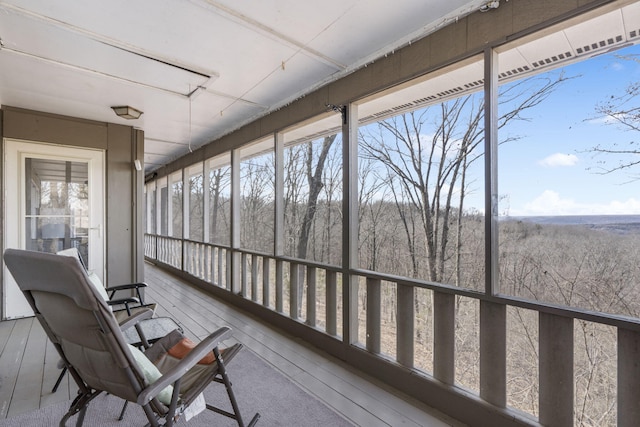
(258, 386)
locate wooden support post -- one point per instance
(373, 315)
(332, 303)
(493, 353)
(266, 280)
(294, 290)
(628, 378)
(243, 275)
(311, 296)
(254, 278)
(556, 370)
(405, 325)
(279, 286)
(444, 337)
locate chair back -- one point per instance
(77, 320)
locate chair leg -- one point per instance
(151, 416)
(79, 406)
(59, 380)
(81, 415)
(232, 398)
(124, 408)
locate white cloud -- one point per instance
(617, 66)
(610, 119)
(551, 203)
(559, 160)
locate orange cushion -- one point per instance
(184, 346)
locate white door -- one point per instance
(54, 201)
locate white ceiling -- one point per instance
(198, 69)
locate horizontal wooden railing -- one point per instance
(311, 293)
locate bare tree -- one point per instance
(219, 184)
(328, 228)
(196, 207)
(427, 154)
(176, 200)
(257, 203)
(304, 181)
(315, 184)
(293, 194)
(623, 111)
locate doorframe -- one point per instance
(13, 236)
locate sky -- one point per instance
(551, 169)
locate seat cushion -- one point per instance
(151, 374)
(184, 346)
(95, 281)
(93, 277)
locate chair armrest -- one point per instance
(111, 290)
(125, 302)
(129, 300)
(189, 361)
(126, 286)
(133, 319)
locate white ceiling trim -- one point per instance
(109, 41)
(86, 70)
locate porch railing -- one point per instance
(312, 294)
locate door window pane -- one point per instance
(57, 205)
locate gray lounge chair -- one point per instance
(130, 303)
(91, 344)
(123, 308)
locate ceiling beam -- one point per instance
(267, 31)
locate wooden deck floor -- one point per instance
(28, 361)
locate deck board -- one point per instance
(5, 332)
(10, 361)
(51, 373)
(333, 382)
(27, 391)
(359, 398)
